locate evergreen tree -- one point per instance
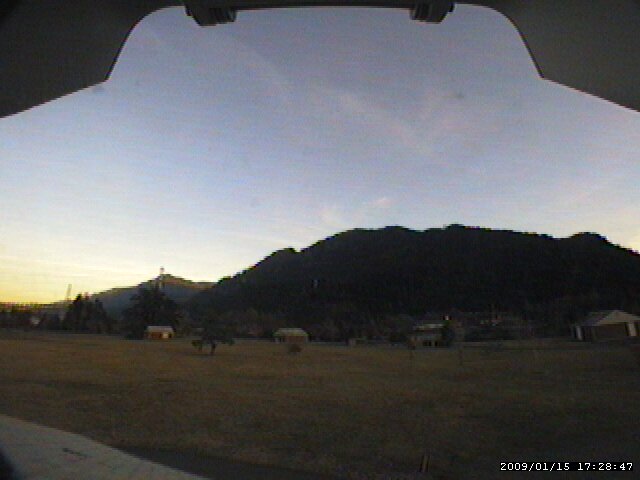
(84, 315)
(149, 307)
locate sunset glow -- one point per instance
(209, 148)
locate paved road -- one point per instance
(34, 452)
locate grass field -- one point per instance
(346, 411)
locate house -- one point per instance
(159, 332)
(607, 325)
(481, 325)
(427, 335)
(291, 335)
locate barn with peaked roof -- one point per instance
(426, 335)
(607, 325)
(159, 332)
(291, 335)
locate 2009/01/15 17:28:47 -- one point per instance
(567, 466)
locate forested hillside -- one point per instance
(361, 274)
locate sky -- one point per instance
(209, 148)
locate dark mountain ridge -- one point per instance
(395, 270)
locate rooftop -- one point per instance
(290, 331)
(159, 328)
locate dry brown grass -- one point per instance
(327, 409)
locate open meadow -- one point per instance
(358, 412)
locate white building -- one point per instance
(607, 325)
(159, 332)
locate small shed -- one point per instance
(291, 335)
(607, 325)
(426, 335)
(159, 332)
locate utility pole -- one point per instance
(160, 281)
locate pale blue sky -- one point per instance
(211, 147)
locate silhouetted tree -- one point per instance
(448, 334)
(76, 315)
(149, 307)
(215, 330)
(99, 321)
(86, 315)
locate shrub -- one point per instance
(294, 348)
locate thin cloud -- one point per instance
(346, 110)
(382, 202)
(439, 121)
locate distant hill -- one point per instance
(396, 270)
(178, 289)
